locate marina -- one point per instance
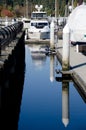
(43, 77)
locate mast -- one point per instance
(26, 8)
(56, 8)
(72, 4)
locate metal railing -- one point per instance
(9, 33)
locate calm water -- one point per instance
(45, 102)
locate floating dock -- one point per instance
(37, 41)
(77, 66)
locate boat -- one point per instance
(77, 24)
(26, 22)
(39, 27)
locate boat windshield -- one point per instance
(39, 25)
(38, 15)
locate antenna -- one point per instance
(39, 7)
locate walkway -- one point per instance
(77, 65)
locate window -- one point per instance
(39, 25)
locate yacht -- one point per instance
(39, 25)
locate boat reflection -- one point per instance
(38, 59)
(38, 54)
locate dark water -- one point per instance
(46, 101)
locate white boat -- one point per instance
(77, 24)
(39, 25)
(26, 23)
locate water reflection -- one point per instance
(52, 68)
(66, 79)
(65, 103)
(38, 54)
(39, 57)
(46, 105)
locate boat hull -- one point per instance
(39, 35)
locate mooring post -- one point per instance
(77, 48)
(66, 48)
(52, 35)
(26, 34)
(6, 21)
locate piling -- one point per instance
(52, 35)
(77, 48)
(6, 21)
(66, 48)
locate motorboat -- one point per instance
(39, 29)
(39, 25)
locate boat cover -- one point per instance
(77, 24)
(77, 19)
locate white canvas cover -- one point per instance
(77, 24)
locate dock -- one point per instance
(10, 41)
(77, 65)
(37, 41)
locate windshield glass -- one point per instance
(39, 15)
(39, 25)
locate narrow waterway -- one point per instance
(46, 103)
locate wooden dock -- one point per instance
(77, 65)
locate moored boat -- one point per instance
(39, 25)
